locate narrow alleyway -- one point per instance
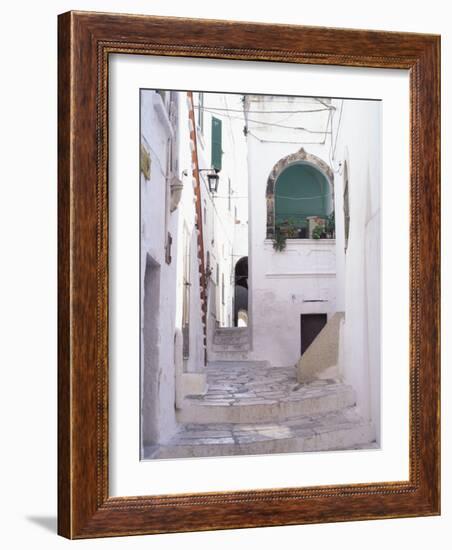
(260, 319)
(253, 408)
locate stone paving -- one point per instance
(245, 392)
(285, 416)
(336, 430)
(244, 433)
(332, 431)
(256, 383)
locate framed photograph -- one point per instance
(248, 275)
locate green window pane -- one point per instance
(301, 191)
(217, 151)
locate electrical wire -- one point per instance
(304, 198)
(299, 128)
(263, 111)
(283, 99)
(332, 150)
(216, 212)
(321, 102)
(250, 133)
(338, 126)
(231, 196)
(154, 156)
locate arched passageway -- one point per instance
(241, 292)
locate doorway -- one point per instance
(241, 292)
(310, 326)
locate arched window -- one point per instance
(303, 202)
(299, 195)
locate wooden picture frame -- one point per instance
(86, 40)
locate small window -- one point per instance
(169, 242)
(217, 151)
(186, 294)
(346, 206)
(201, 111)
(208, 264)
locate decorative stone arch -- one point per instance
(301, 157)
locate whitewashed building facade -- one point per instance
(357, 157)
(308, 159)
(280, 261)
(177, 319)
(301, 279)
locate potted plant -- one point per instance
(330, 226)
(279, 242)
(319, 232)
(287, 229)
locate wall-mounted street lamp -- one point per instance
(212, 178)
(176, 187)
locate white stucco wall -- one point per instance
(224, 239)
(359, 145)
(282, 284)
(187, 229)
(158, 419)
(162, 313)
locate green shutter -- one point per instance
(216, 143)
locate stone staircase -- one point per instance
(337, 430)
(252, 408)
(230, 344)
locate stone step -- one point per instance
(230, 342)
(231, 356)
(264, 400)
(230, 347)
(231, 336)
(225, 338)
(339, 430)
(238, 367)
(231, 330)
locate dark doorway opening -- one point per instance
(310, 326)
(241, 292)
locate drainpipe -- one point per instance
(198, 219)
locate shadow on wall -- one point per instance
(150, 396)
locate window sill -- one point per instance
(304, 242)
